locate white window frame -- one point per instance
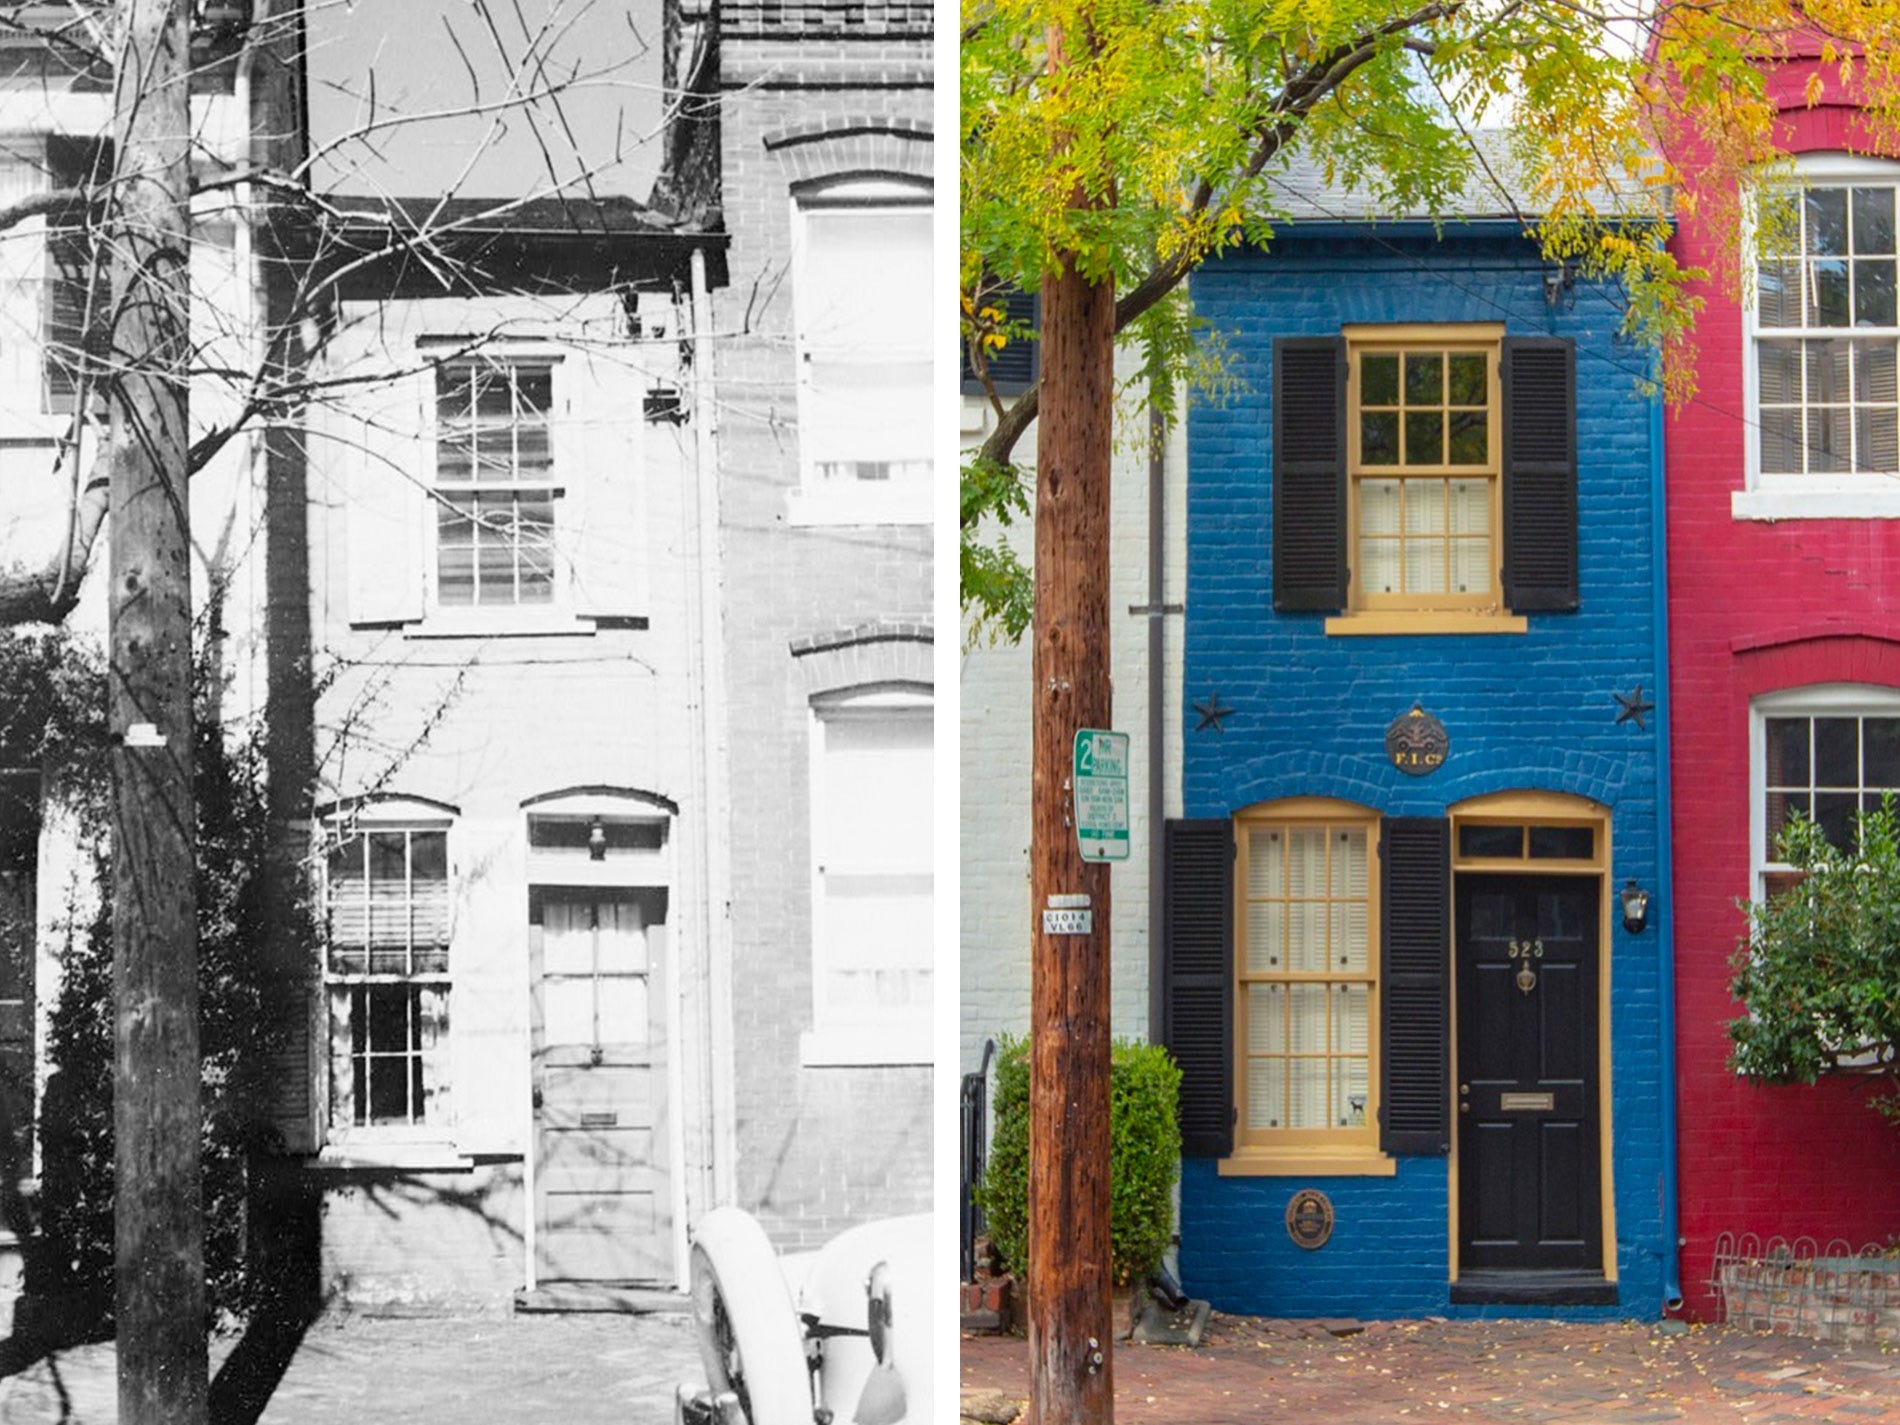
(816, 502)
(1794, 497)
(836, 1038)
(1812, 700)
(415, 1145)
(558, 614)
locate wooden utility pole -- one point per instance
(1070, 1338)
(156, 1117)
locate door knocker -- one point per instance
(1524, 953)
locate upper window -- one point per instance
(1423, 457)
(387, 912)
(1825, 335)
(1829, 753)
(872, 886)
(861, 292)
(495, 490)
(1306, 1002)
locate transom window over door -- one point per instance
(1826, 330)
(495, 484)
(1307, 1000)
(387, 911)
(1423, 458)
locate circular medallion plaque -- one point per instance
(1309, 1219)
(1417, 743)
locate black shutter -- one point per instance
(1540, 474)
(1015, 368)
(1197, 949)
(1414, 984)
(1309, 474)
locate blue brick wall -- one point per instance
(1530, 711)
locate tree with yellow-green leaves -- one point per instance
(1108, 147)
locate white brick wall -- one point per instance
(994, 762)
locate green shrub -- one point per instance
(1145, 1154)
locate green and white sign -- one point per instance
(1100, 779)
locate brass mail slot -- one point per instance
(1526, 1102)
(612, 1120)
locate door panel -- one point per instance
(1528, 1155)
(602, 1194)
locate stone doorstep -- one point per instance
(619, 1298)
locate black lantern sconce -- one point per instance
(597, 842)
(1635, 907)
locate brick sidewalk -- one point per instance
(1294, 1372)
(500, 1370)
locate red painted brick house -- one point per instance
(1784, 627)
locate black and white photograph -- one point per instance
(467, 704)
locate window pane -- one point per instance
(1425, 571)
(1470, 566)
(1349, 935)
(1378, 380)
(1350, 1093)
(1266, 864)
(1266, 1093)
(1470, 507)
(1876, 440)
(1379, 506)
(1781, 807)
(1563, 842)
(1424, 378)
(1480, 840)
(1836, 752)
(1829, 429)
(1306, 861)
(1834, 813)
(1470, 438)
(1379, 438)
(1348, 869)
(1424, 437)
(1266, 1019)
(1778, 294)
(1307, 1082)
(1306, 936)
(1828, 292)
(1829, 367)
(1424, 507)
(1873, 294)
(567, 1010)
(623, 1009)
(1780, 444)
(1826, 221)
(1873, 221)
(1379, 566)
(1266, 936)
(1468, 386)
(1880, 759)
(1874, 371)
(1778, 366)
(1349, 1019)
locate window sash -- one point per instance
(1424, 532)
(495, 485)
(1307, 1000)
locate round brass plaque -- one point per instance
(1309, 1219)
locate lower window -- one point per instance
(386, 903)
(1307, 992)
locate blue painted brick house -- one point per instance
(1425, 1059)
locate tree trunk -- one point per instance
(156, 1116)
(1070, 1324)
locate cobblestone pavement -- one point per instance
(1620, 1373)
(502, 1370)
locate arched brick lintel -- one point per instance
(883, 652)
(844, 148)
(1800, 660)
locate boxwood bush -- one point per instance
(1145, 1155)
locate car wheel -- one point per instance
(749, 1336)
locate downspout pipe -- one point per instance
(1665, 857)
(1157, 706)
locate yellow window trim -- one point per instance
(1259, 1163)
(1363, 622)
(1300, 1149)
(1381, 334)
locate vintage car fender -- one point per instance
(749, 1336)
(888, 1259)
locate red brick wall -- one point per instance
(1755, 607)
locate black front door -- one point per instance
(1529, 1184)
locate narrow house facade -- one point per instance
(1784, 630)
(1421, 1038)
